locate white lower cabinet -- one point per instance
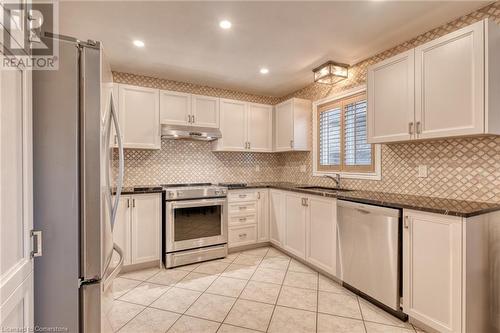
(432, 269)
(295, 224)
(248, 216)
(276, 217)
(138, 227)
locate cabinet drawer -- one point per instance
(239, 236)
(242, 219)
(241, 196)
(244, 208)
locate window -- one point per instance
(342, 136)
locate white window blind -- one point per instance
(342, 136)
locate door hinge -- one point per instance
(36, 239)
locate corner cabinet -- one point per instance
(139, 114)
(444, 88)
(293, 125)
(245, 127)
(138, 227)
(432, 269)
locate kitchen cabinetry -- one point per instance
(138, 227)
(292, 125)
(178, 108)
(453, 86)
(432, 269)
(248, 216)
(295, 223)
(276, 217)
(245, 126)
(139, 117)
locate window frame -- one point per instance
(372, 171)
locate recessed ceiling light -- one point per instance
(225, 24)
(138, 43)
(264, 71)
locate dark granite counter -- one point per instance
(453, 207)
(140, 189)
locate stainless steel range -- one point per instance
(196, 223)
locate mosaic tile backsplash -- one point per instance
(460, 168)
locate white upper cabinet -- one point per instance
(449, 84)
(205, 111)
(391, 110)
(233, 125)
(175, 108)
(245, 126)
(178, 108)
(456, 81)
(292, 125)
(139, 117)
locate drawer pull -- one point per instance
(242, 235)
(243, 219)
(243, 207)
(242, 195)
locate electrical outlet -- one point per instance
(303, 168)
(257, 168)
(422, 171)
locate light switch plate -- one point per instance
(422, 171)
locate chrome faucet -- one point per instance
(336, 179)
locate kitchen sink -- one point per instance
(324, 189)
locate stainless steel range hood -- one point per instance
(178, 132)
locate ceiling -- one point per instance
(183, 40)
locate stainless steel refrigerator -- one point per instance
(73, 120)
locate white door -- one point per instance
(175, 108)
(146, 232)
(284, 126)
(263, 216)
(259, 123)
(432, 269)
(233, 125)
(16, 188)
(276, 217)
(391, 110)
(321, 236)
(139, 115)
(122, 229)
(205, 111)
(449, 84)
(295, 223)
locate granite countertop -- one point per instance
(452, 207)
(140, 189)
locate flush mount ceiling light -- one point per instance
(330, 72)
(138, 43)
(264, 71)
(225, 24)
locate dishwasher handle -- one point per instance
(366, 209)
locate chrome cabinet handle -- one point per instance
(305, 202)
(419, 127)
(37, 247)
(242, 235)
(249, 144)
(243, 207)
(133, 202)
(405, 222)
(243, 219)
(242, 195)
(410, 128)
(128, 203)
(291, 143)
(193, 119)
(258, 195)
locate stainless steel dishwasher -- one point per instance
(370, 253)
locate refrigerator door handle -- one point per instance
(108, 281)
(119, 182)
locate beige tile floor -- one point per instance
(260, 290)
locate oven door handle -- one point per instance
(197, 203)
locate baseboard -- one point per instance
(248, 247)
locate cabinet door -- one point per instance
(276, 217)
(233, 125)
(175, 108)
(302, 118)
(391, 110)
(321, 236)
(295, 224)
(205, 111)
(16, 197)
(263, 216)
(449, 77)
(259, 122)
(146, 218)
(139, 115)
(284, 126)
(432, 269)
(121, 231)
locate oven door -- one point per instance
(195, 223)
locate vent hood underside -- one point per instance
(178, 132)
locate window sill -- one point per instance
(350, 175)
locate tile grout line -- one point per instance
(361, 313)
(279, 294)
(317, 306)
